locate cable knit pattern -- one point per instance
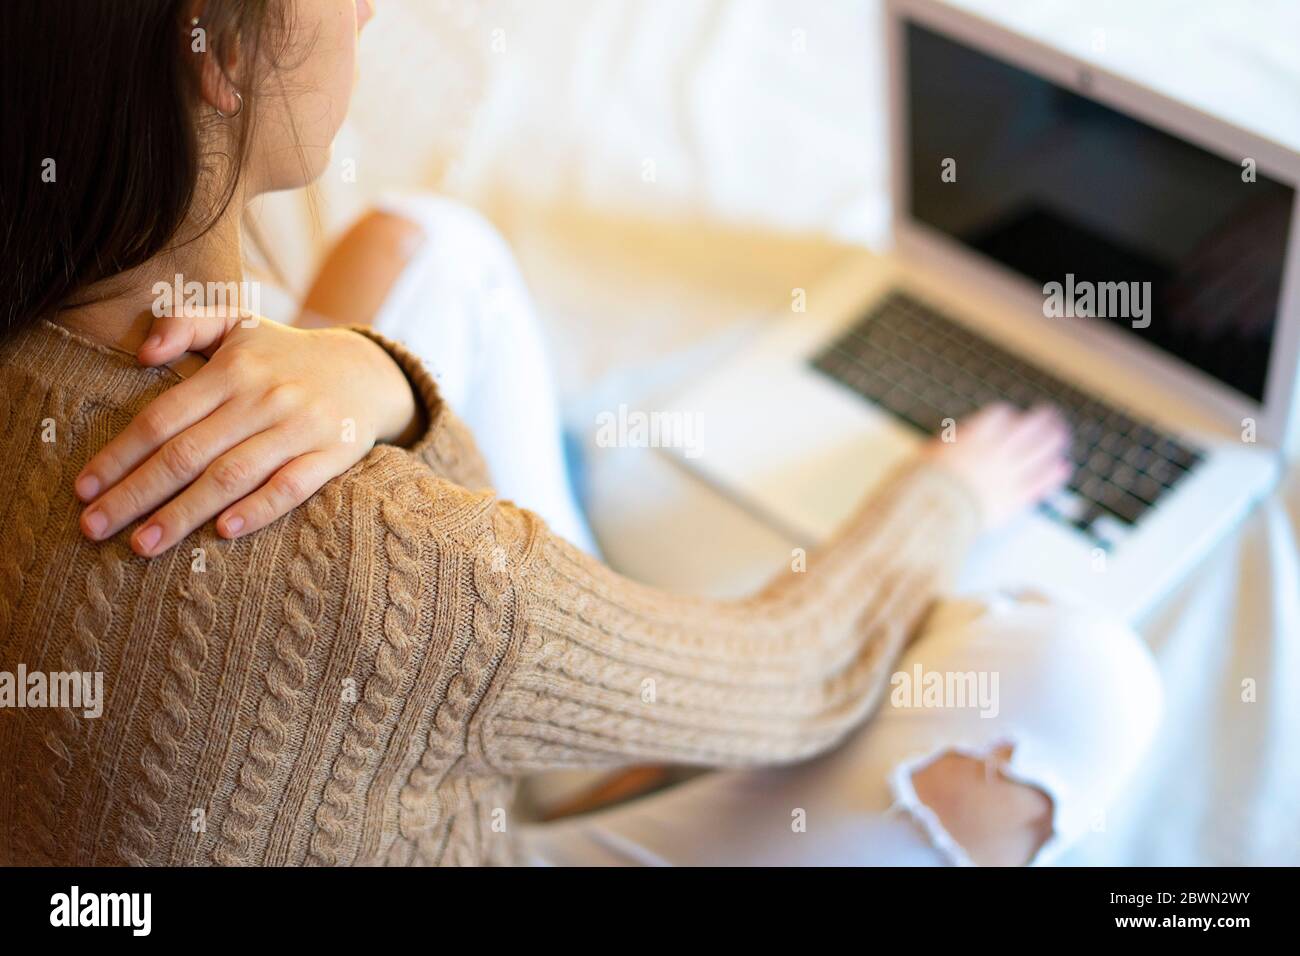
(308, 572)
(401, 630)
(23, 527)
(80, 654)
(186, 654)
(400, 619)
(478, 644)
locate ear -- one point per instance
(215, 67)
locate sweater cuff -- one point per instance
(928, 513)
(427, 396)
(958, 510)
(960, 497)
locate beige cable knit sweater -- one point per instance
(362, 681)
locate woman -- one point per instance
(361, 655)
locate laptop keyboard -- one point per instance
(924, 367)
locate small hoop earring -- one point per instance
(239, 96)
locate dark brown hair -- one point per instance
(101, 135)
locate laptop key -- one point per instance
(1120, 503)
(1164, 472)
(1147, 488)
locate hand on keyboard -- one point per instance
(927, 369)
(1011, 459)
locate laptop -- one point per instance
(1063, 235)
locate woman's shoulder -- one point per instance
(406, 493)
(44, 365)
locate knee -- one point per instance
(1087, 710)
(360, 271)
(976, 813)
(450, 226)
(1099, 671)
(465, 257)
(1063, 669)
(1078, 702)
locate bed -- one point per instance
(669, 171)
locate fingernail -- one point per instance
(96, 523)
(152, 341)
(149, 537)
(233, 525)
(87, 487)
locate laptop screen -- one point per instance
(1113, 218)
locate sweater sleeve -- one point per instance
(589, 669)
(611, 672)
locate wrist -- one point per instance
(398, 415)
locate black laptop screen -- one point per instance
(1093, 205)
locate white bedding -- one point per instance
(669, 169)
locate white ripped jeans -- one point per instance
(1076, 697)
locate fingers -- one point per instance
(178, 462)
(171, 336)
(1037, 447)
(1048, 480)
(1041, 433)
(990, 422)
(1040, 423)
(165, 417)
(287, 489)
(235, 474)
